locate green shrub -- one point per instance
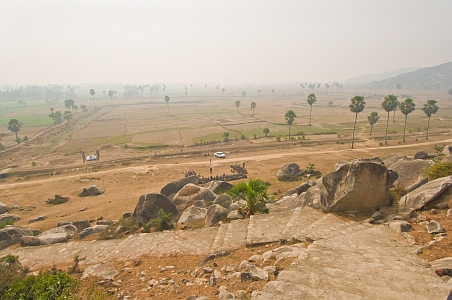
(439, 170)
(164, 221)
(10, 270)
(254, 193)
(49, 285)
(5, 223)
(57, 200)
(278, 138)
(25, 138)
(289, 178)
(112, 232)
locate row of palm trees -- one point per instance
(390, 103)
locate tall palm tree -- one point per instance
(311, 100)
(110, 94)
(373, 119)
(290, 118)
(394, 110)
(253, 106)
(388, 104)
(357, 106)
(92, 92)
(252, 192)
(406, 107)
(237, 104)
(430, 109)
(167, 98)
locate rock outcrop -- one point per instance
(410, 173)
(192, 213)
(290, 169)
(190, 193)
(172, 188)
(149, 205)
(215, 213)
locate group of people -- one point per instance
(238, 172)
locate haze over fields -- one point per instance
(74, 42)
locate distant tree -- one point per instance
(83, 107)
(52, 115)
(223, 90)
(450, 93)
(266, 131)
(92, 92)
(111, 94)
(330, 103)
(394, 110)
(319, 85)
(327, 86)
(311, 100)
(273, 91)
(430, 109)
(237, 104)
(58, 117)
(290, 118)
(356, 106)
(21, 103)
(14, 126)
(69, 103)
(398, 86)
(253, 106)
(406, 107)
(226, 136)
(67, 115)
(75, 108)
(105, 92)
(388, 104)
(243, 94)
(167, 98)
(373, 119)
(259, 92)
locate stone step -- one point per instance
(267, 228)
(327, 227)
(300, 219)
(375, 263)
(217, 244)
(236, 234)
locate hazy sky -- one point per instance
(210, 41)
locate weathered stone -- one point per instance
(200, 203)
(235, 215)
(92, 230)
(215, 213)
(234, 206)
(106, 272)
(410, 173)
(31, 241)
(40, 218)
(400, 226)
(435, 227)
(271, 270)
(224, 200)
(311, 198)
(302, 188)
(218, 187)
(257, 273)
(9, 218)
(10, 230)
(149, 205)
(223, 294)
(94, 191)
(192, 213)
(290, 169)
(245, 276)
(107, 222)
(360, 185)
(172, 188)
(378, 215)
(421, 155)
(70, 230)
(391, 159)
(424, 194)
(190, 193)
(3, 208)
(286, 203)
(53, 238)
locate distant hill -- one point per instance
(376, 77)
(432, 78)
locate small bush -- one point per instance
(25, 138)
(439, 170)
(10, 270)
(5, 223)
(164, 221)
(57, 200)
(118, 230)
(278, 138)
(289, 178)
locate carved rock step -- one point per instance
(236, 234)
(300, 219)
(267, 228)
(217, 244)
(376, 263)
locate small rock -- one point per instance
(400, 226)
(245, 276)
(435, 227)
(378, 215)
(272, 270)
(442, 206)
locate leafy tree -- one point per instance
(253, 106)
(223, 90)
(290, 118)
(14, 126)
(226, 136)
(388, 104)
(430, 109)
(243, 94)
(311, 100)
(406, 107)
(111, 94)
(69, 103)
(398, 86)
(330, 103)
(266, 131)
(356, 106)
(58, 117)
(92, 92)
(83, 107)
(167, 98)
(253, 192)
(373, 119)
(75, 108)
(67, 115)
(237, 104)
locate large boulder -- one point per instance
(421, 155)
(92, 191)
(53, 238)
(391, 159)
(79, 224)
(149, 205)
(69, 230)
(3, 208)
(31, 241)
(447, 150)
(92, 230)
(311, 198)
(11, 235)
(360, 185)
(192, 213)
(424, 194)
(190, 193)
(290, 169)
(172, 188)
(215, 214)
(218, 187)
(224, 200)
(410, 173)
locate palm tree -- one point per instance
(14, 126)
(253, 192)
(237, 104)
(110, 94)
(327, 87)
(266, 131)
(290, 118)
(92, 92)
(357, 106)
(311, 100)
(394, 110)
(167, 98)
(253, 106)
(388, 104)
(67, 115)
(430, 109)
(373, 119)
(406, 107)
